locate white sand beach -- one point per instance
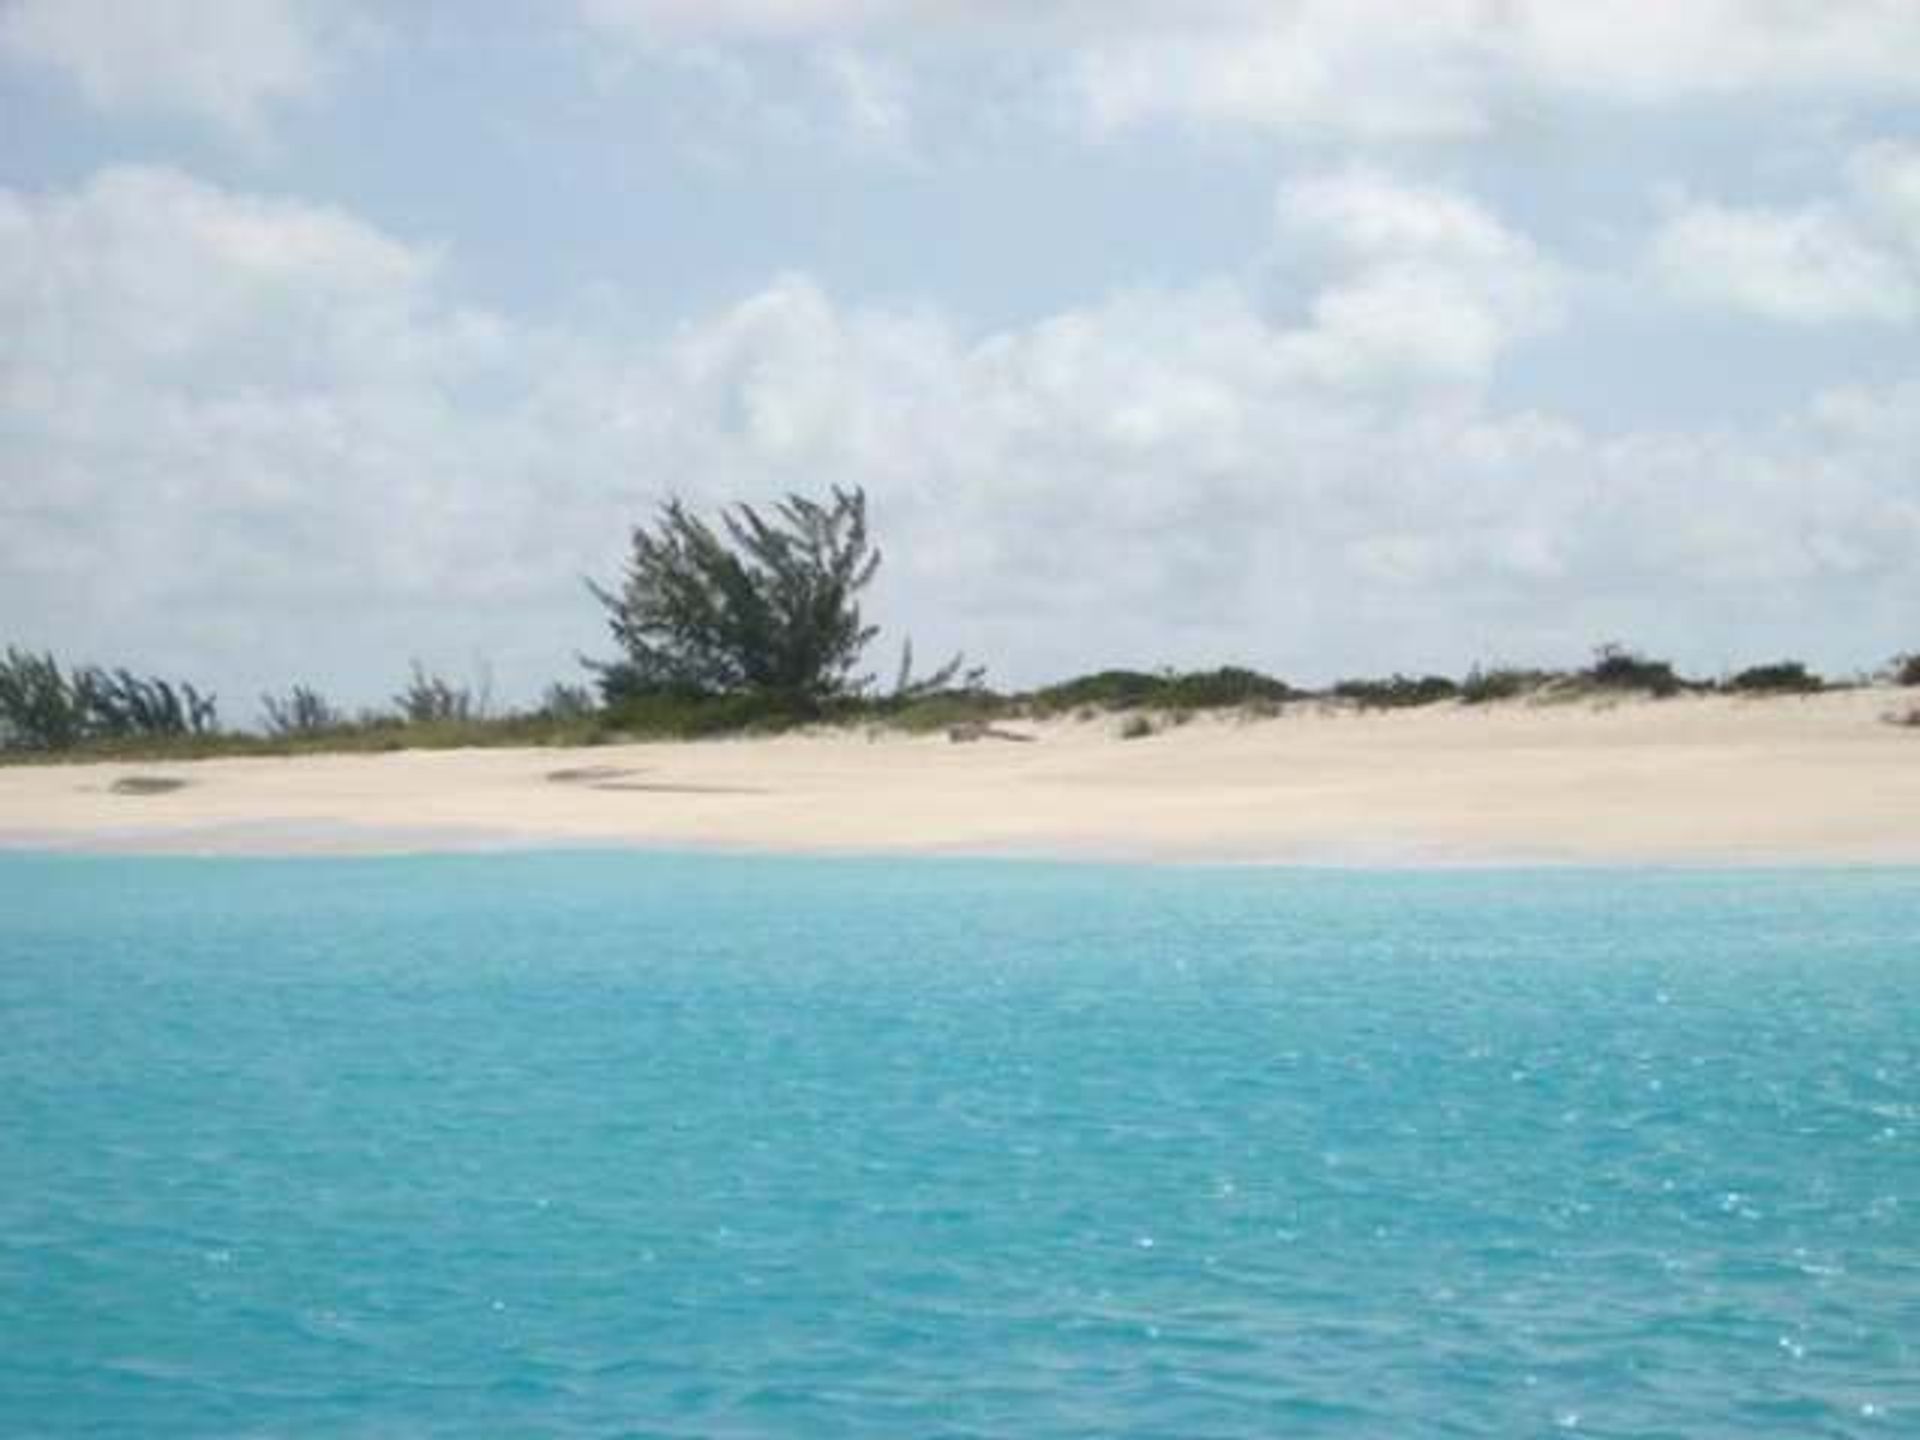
(1692, 780)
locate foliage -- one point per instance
(431, 699)
(1223, 688)
(1397, 692)
(764, 605)
(567, 702)
(44, 708)
(1137, 727)
(1484, 685)
(1227, 686)
(300, 711)
(1906, 669)
(38, 708)
(680, 716)
(1783, 676)
(118, 703)
(1104, 689)
(933, 713)
(1615, 667)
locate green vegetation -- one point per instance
(1617, 668)
(431, 699)
(299, 712)
(1783, 677)
(43, 708)
(1485, 686)
(763, 607)
(749, 624)
(1228, 687)
(1397, 692)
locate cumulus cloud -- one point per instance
(226, 62)
(1852, 258)
(1369, 69)
(254, 439)
(1426, 280)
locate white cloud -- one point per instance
(222, 61)
(1886, 182)
(253, 440)
(1426, 281)
(1368, 69)
(1854, 258)
(1808, 266)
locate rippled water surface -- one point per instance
(633, 1145)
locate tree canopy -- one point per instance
(763, 603)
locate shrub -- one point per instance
(38, 710)
(666, 714)
(941, 712)
(300, 712)
(1397, 691)
(1223, 688)
(1136, 727)
(1906, 669)
(1782, 677)
(567, 702)
(1615, 667)
(1102, 690)
(119, 704)
(44, 708)
(431, 699)
(1485, 685)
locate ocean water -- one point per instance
(627, 1145)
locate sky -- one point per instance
(1325, 336)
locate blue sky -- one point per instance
(1325, 337)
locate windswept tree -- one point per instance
(761, 603)
(43, 707)
(301, 711)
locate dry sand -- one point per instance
(1822, 779)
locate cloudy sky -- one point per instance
(1327, 336)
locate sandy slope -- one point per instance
(1714, 780)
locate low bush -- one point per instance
(1224, 688)
(43, 708)
(681, 716)
(1906, 669)
(934, 713)
(1615, 667)
(1102, 690)
(1397, 692)
(302, 711)
(1136, 727)
(431, 699)
(1783, 677)
(1484, 685)
(1221, 689)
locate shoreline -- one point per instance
(1708, 782)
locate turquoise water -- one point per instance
(568, 1145)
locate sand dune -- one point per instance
(1692, 780)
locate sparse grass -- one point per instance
(935, 713)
